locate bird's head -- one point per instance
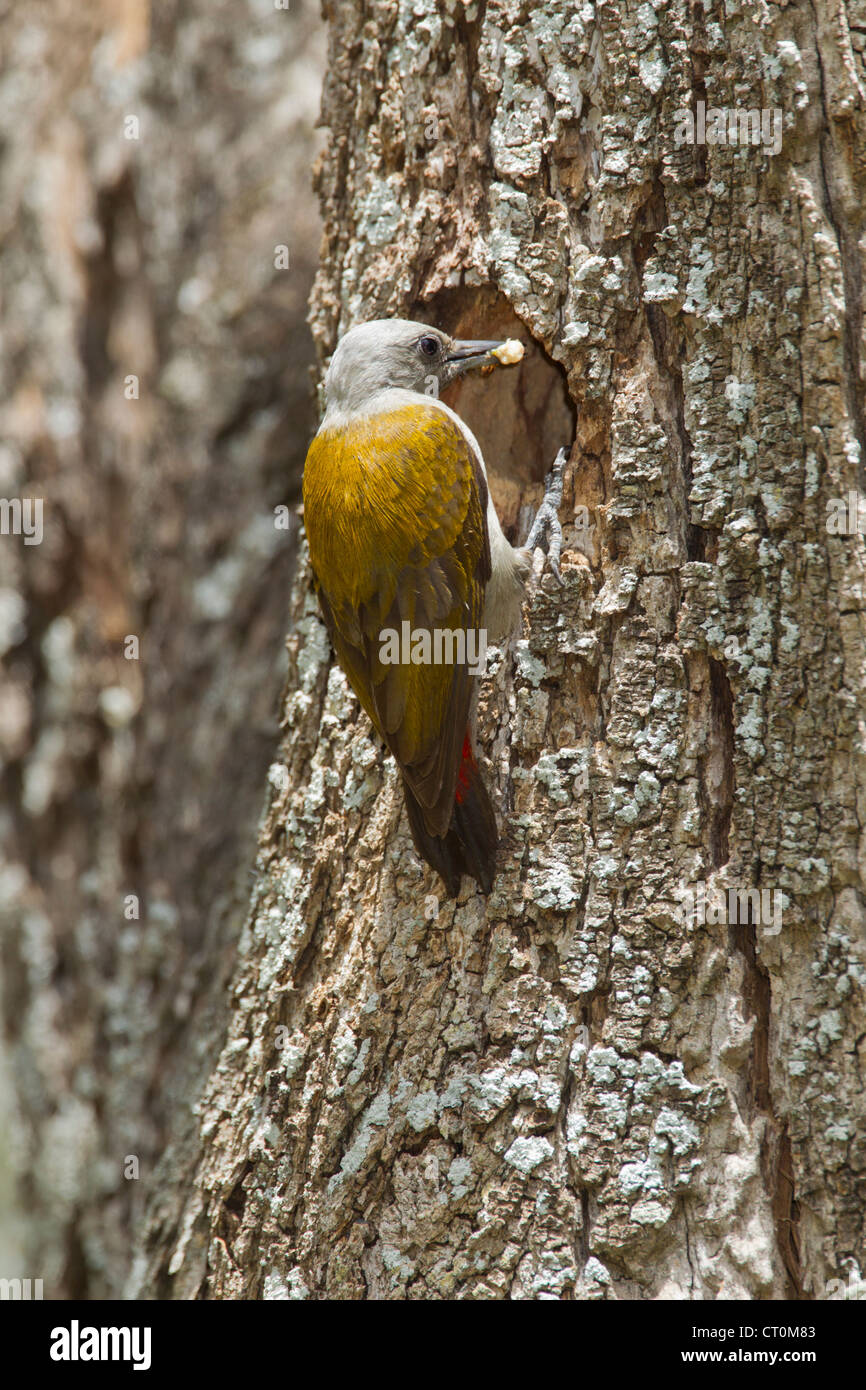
(396, 352)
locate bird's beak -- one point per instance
(467, 353)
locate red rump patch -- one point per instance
(467, 765)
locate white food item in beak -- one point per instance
(509, 353)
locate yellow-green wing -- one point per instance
(395, 513)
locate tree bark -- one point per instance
(592, 1084)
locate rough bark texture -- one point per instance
(568, 1090)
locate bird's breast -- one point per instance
(382, 492)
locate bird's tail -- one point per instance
(470, 843)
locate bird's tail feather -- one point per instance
(470, 843)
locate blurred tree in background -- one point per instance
(156, 393)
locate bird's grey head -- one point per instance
(396, 352)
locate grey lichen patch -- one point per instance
(525, 1154)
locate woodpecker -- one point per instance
(401, 529)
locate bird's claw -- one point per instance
(546, 527)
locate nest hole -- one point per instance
(521, 415)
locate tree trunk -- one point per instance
(633, 1071)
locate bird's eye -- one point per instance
(429, 346)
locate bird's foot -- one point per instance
(546, 528)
